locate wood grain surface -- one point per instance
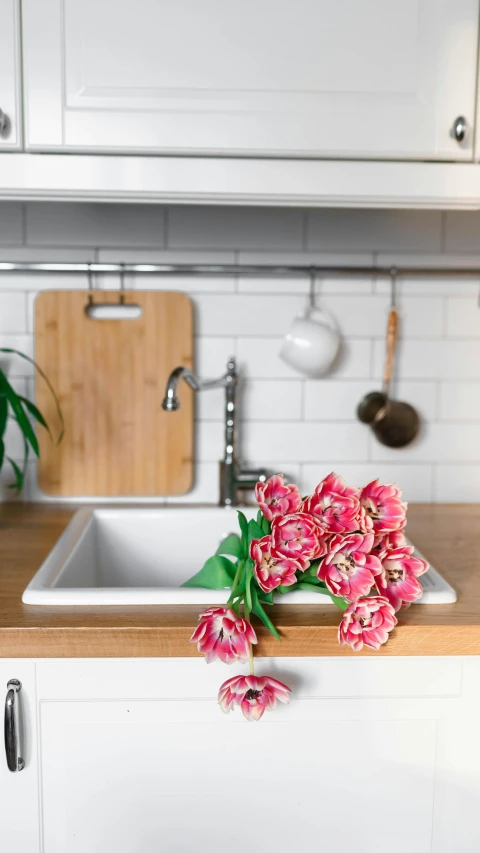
(447, 535)
(110, 377)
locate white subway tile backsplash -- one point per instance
(427, 360)
(235, 228)
(11, 224)
(261, 400)
(206, 487)
(374, 230)
(13, 312)
(462, 317)
(415, 479)
(211, 356)
(184, 283)
(245, 314)
(331, 400)
(12, 364)
(449, 442)
(457, 484)
(259, 358)
(301, 284)
(287, 422)
(209, 441)
(459, 401)
(34, 282)
(305, 442)
(95, 224)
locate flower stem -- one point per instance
(236, 580)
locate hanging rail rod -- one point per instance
(235, 269)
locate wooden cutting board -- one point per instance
(110, 377)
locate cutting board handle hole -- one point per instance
(113, 311)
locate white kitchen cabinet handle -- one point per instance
(12, 727)
(3, 122)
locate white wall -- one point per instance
(304, 428)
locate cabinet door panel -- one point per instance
(310, 78)
(179, 776)
(10, 136)
(19, 830)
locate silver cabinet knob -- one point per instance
(3, 122)
(459, 128)
(12, 727)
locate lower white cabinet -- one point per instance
(19, 814)
(372, 754)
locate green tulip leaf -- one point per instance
(217, 573)
(254, 531)
(232, 545)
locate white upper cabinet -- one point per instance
(311, 78)
(10, 76)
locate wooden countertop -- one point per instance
(449, 536)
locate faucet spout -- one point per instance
(232, 477)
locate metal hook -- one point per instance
(393, 287)
(90, 284)
(122, 285)
(311, 295)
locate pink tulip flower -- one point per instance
(275, 497)
(298, 536)
(224, 635)
(384, 506)
(253, 694)
(400, 571)
(349, 569)
(367, 622)
(334, 505)
(272, 569)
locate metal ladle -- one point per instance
(393, 422)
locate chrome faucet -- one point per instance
(232, 476)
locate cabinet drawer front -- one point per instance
(164, 678)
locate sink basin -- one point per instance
(119, 556)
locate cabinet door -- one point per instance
(157, 766)
(316, 78)
(19, 830)
(10, 121)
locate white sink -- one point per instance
(121, 556)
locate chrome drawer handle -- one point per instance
(12, 725)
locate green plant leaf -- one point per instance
(19, 412)
(3, 413)
(216, 573)
(2, 451)
(19, 476)
(265, 597)
(258, 610)
(35, 413)
(49, 385)
(232, 545)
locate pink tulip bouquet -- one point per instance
(343, 542)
